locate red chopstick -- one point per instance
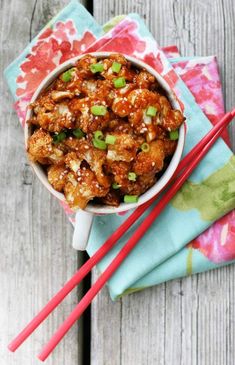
(86, 300)
(109, 243)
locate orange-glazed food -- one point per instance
(104, 131)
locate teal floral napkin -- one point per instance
(175, 245)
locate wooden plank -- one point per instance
(188, 321)
(36, 253)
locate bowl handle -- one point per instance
(82, 228)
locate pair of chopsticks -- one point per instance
(184, 170)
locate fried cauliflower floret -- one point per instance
(88, 122)
(125, 70)
(40, 146)
(124, 148)
(50, 115)
(83, 66)
(169, 119)
(142, 98)
(99, 89)
(82, 187)
(120, 172)
(144, 80)
(96, 159)
(121, 107)
(152, 161)
(72, 161)
(172, 120)
(71, 143)
(44, 103)
(89, 87)
(57, 176)
(56, 120)
(138, 118)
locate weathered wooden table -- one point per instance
(189, 321)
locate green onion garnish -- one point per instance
(98, 135)
(67, 75)
(116, 67)
(132, 176)
(57, 138)
(98, 110)
(130, 198)
(110, 139)
(151, 111)
(116, 186)
(174, 135)
(78, 133)
(145, 147)
(98, 143)
(119, 82)
(96, 67)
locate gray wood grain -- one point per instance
(35, 236)
(188, 321)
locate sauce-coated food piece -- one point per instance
(103, 131)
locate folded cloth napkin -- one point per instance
(172, 247)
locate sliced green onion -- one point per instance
(130, 198)
(174, 135)
(98, 135)
(98, 143)
(116, 67)
(67, 75)
(132, 176)
(78, 133)
(110, 139)
(57, 138)
(116, 186)
(151, 111)
(96, 67)
(98, 110)
(145, 147)
(119, 82)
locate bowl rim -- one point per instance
(158, 186)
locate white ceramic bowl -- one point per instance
(105, 209)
